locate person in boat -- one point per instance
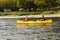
(43, 18)
(26, 18)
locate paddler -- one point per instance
(26, 18)
(43, 18)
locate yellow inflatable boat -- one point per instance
(39, 22)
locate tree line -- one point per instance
(29, 5)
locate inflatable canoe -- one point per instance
(39, 22)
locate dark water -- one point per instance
(10, 31)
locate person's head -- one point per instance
(26, 18)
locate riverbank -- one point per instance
(19, 13)
(32, 16)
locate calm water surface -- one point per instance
(10, 31)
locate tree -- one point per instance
(8, 4)
(30, 6)
(51, 3)
(20, 3)
(39, 2)
(58, 2)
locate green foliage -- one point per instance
(7, 4)
(58, 2)
(28, 4)
(48, 12)
(20, 3)
(39, 2)
(51, 2)
(27, 13)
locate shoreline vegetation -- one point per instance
(28, 13)
(29, 7)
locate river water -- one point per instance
(10, 31)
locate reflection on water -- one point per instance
(10, 31)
